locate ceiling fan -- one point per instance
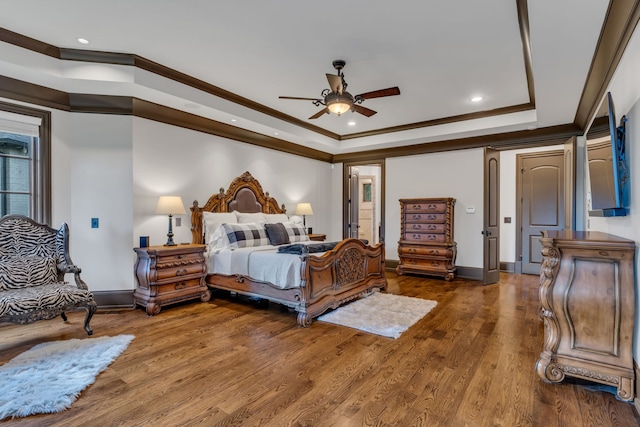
(337, 100)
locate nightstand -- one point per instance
(318, 237)
(169, 274)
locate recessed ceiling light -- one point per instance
(83, 41)
(275, 133)
(351, 123)
(476, 99)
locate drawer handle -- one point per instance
(416, 206)
(411, 261)
(182, 272)
(432, 207)
(417, 236)
(434, 252)
(434, 263)
(431, 237)
(431, 216)
(180, 285)
(417, 226)
(412, 250)
(431, 227)
(180, 256)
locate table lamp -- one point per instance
(170, 205)
(304, 209)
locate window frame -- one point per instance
(41, 196)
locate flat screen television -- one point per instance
(609, 169)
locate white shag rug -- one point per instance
(49, 377)
(383, 314)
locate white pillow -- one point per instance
(275, 218)
(211, 221)
(296, 219)
(244, 218)
(218, 239)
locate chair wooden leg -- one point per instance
(91, 308)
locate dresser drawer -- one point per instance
(417, 217)
(425, 237)
(179, 285)
(425, 227)
(429, 251)
(435, 264)
(428, 207)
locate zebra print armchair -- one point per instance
(34, 259)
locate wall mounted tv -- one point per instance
(609, 169)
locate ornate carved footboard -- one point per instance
(347, 271)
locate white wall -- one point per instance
(625, 90)
(458, 174)
(168, 160)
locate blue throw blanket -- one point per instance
(300, 249)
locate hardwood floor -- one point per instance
(470, 362)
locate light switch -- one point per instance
(471, 209)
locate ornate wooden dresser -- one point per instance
(426, 243)
(588, 299)
(169, 274)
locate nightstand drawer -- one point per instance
(179, 285)
(179, 260)
(182, 270)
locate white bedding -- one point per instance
(262, 263)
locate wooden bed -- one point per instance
(342, 274)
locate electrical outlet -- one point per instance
(94, 223)
(178, 222)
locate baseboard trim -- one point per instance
(113, 299)
(508, 267)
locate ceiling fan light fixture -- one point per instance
(339, 103)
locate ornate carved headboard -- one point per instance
(244, 195)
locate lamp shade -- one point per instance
(303, 209)
(170, 205)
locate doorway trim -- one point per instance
(345, 194)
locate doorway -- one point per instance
(363, 201)
(541, 192)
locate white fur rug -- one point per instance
(383, 314)
(49, 377)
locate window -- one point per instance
(25, 178)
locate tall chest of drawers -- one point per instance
(426, 243)
(169, 274)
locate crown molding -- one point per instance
(620, 21)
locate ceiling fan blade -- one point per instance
(319, 113)
(364, 110)
(303, 99)
(335, 83)
(380, 93)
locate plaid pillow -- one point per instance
(246, 235)
(296, 232)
